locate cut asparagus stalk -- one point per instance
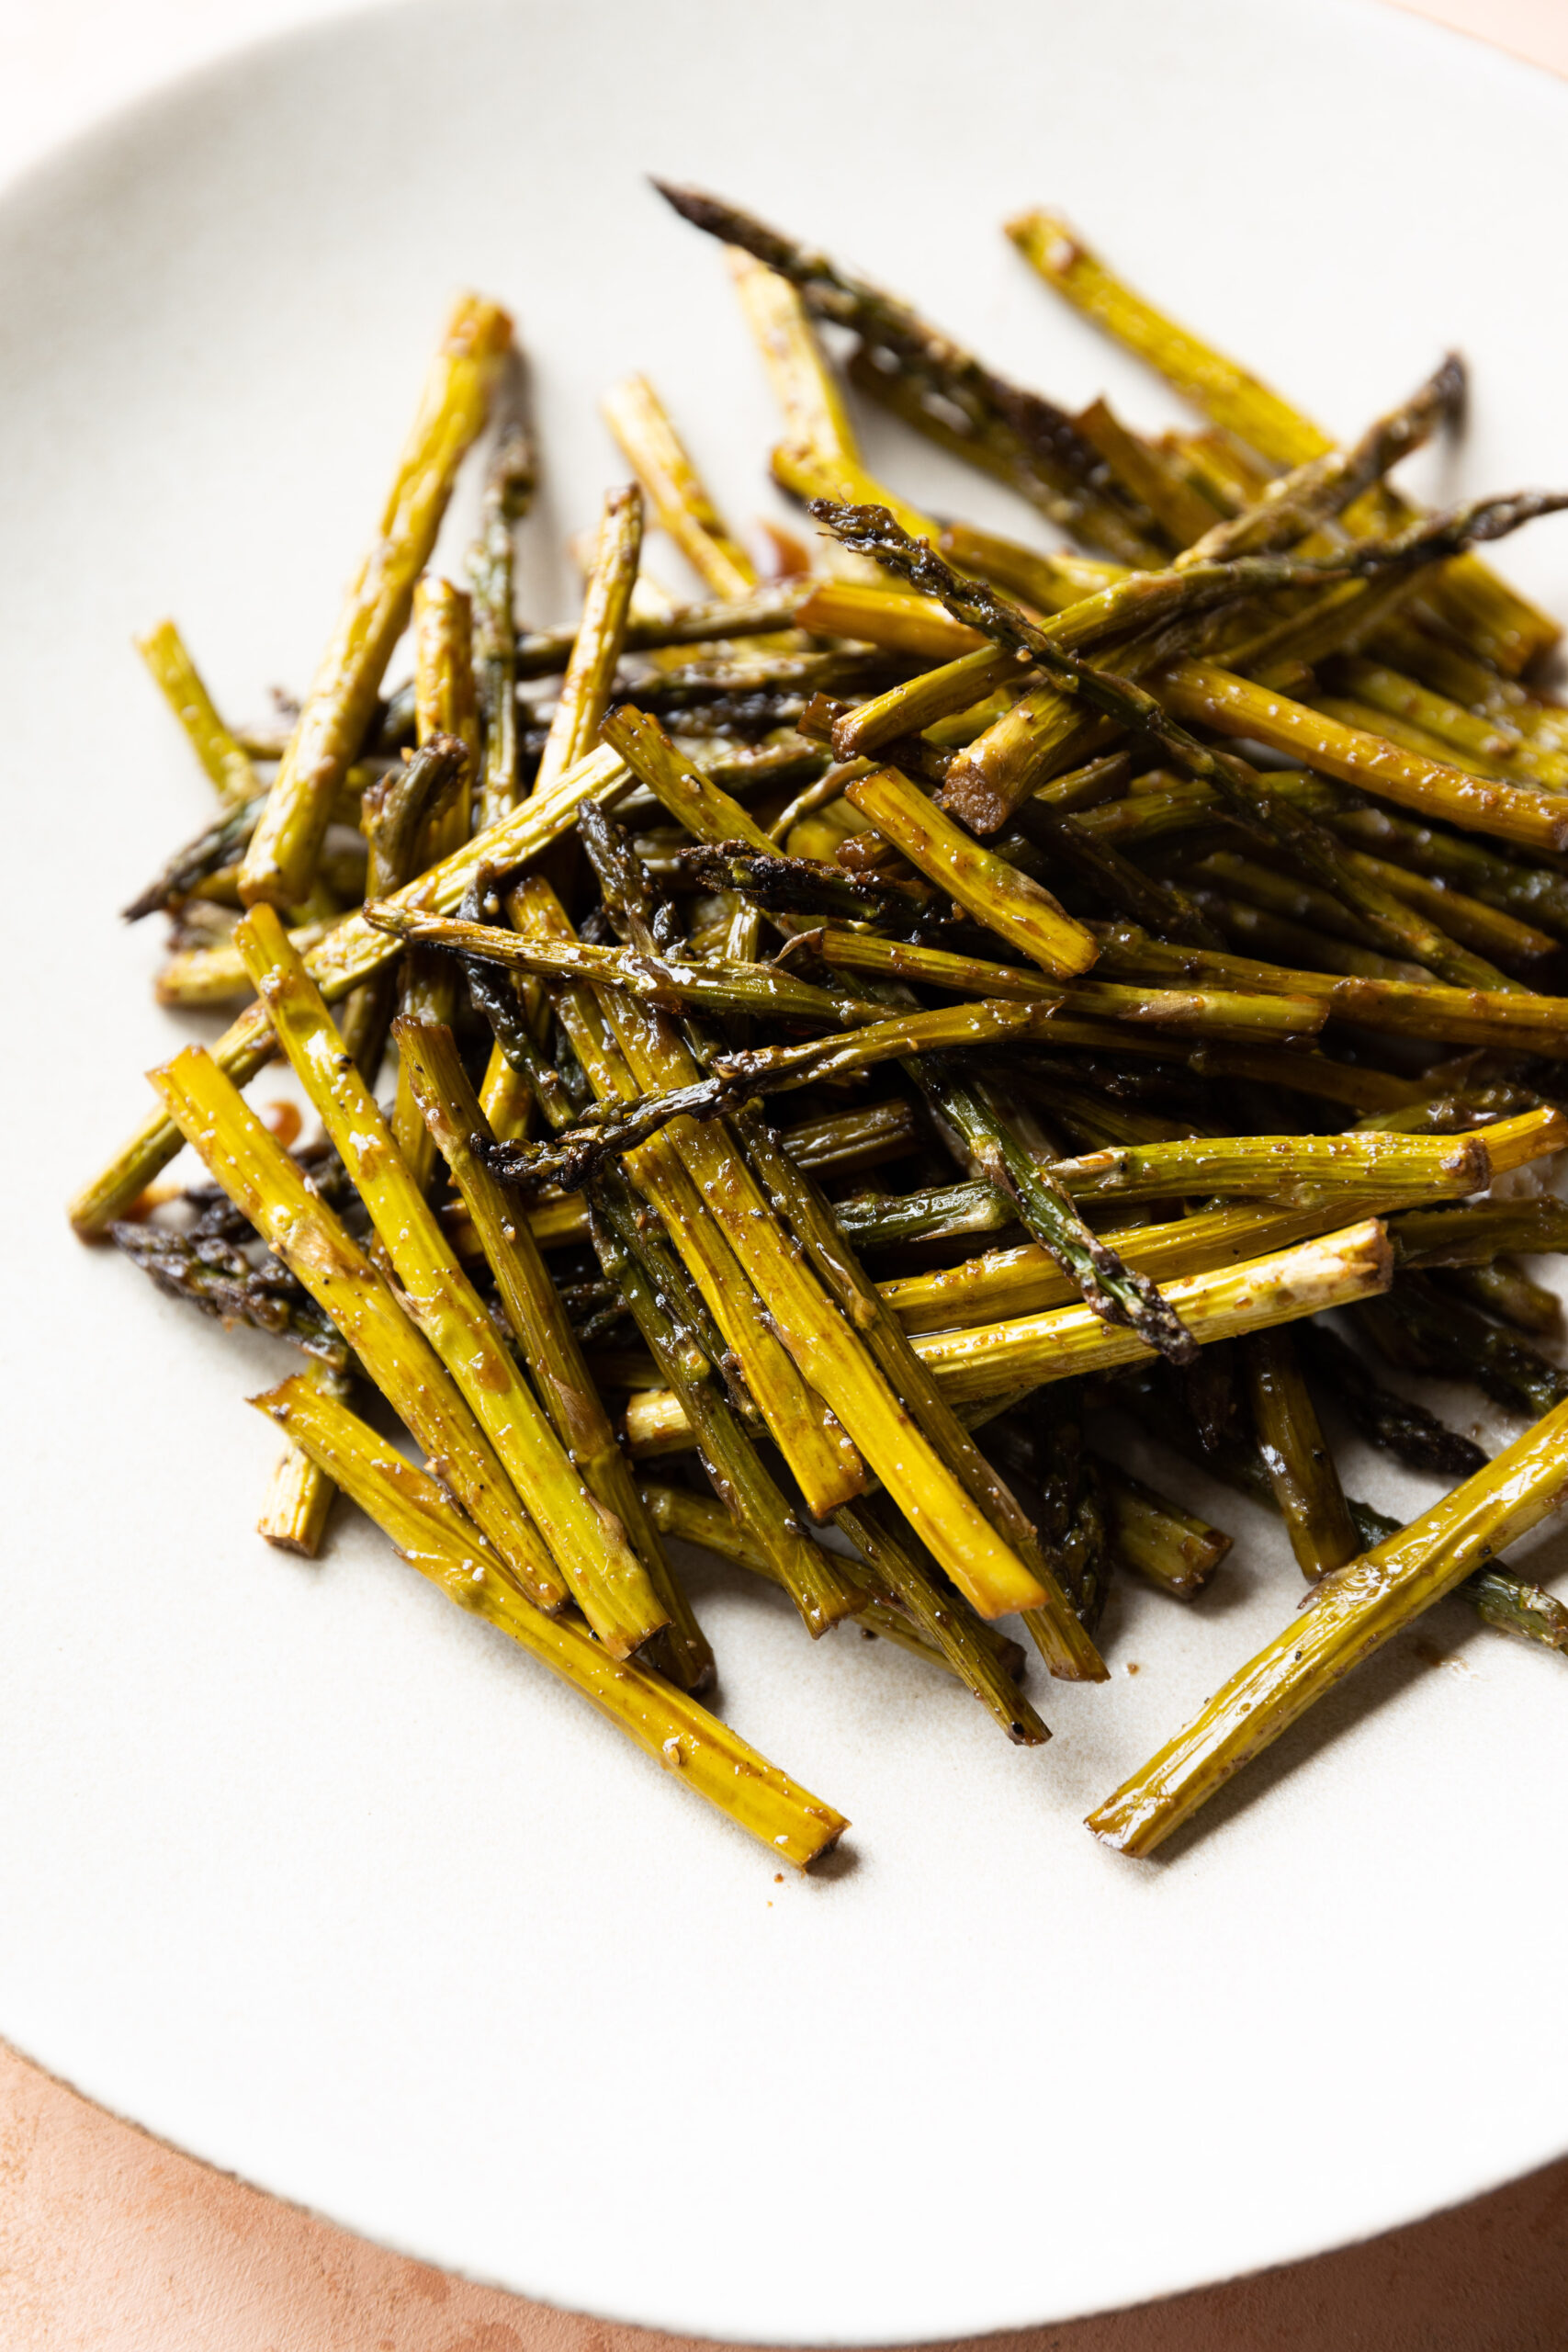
(1456, 1016)
(1209, 696)
(1395, 1424)
(281, 859)
(1425, 1168)
(222, 754)
(691, 1518)
(1172, 1547)
(996, 894)
(1351, 1614)
(1306, 1484)
(300, 1493)
(671, 1728)
(508, 493)
(1001, 1284)
(596, 649)
(964, 1640)
(680, 501)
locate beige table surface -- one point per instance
(112, 2242)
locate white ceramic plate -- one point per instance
(322, 1882)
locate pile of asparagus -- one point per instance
(1160, 936)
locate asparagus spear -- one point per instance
(996, 894)
(509, 490)
(1216, 698)
(399, 810)
(1173, 1547)
(300, 1492)
(684, 1738)
(680, 501)
(666, 981)
(221, 753)
(219, 1280)
(1502, 1289)
(216, 845)
(1472, 1236)
(282, 855)
(769, 606)
(1351, 1614)
(937, 1211)
(1001, 1284)
(1377, 686)
(1043, 1446)
(199, 979)
(596, 649)
(1426, 1331)
(1112, 1291)
(1302, 903)
(269, 1189)
(1453, 1015)
(968, 1646)
(795, 884)
(1400, 1166)
(1396, 1424)
(1306, 1484)
(351, 953)
(1325, 484)
(1210, 1011)
(445, 710)
(543, 1328)
(920, 702)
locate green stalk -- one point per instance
(281, 859)
(669, 1726)
(1351, 1614)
